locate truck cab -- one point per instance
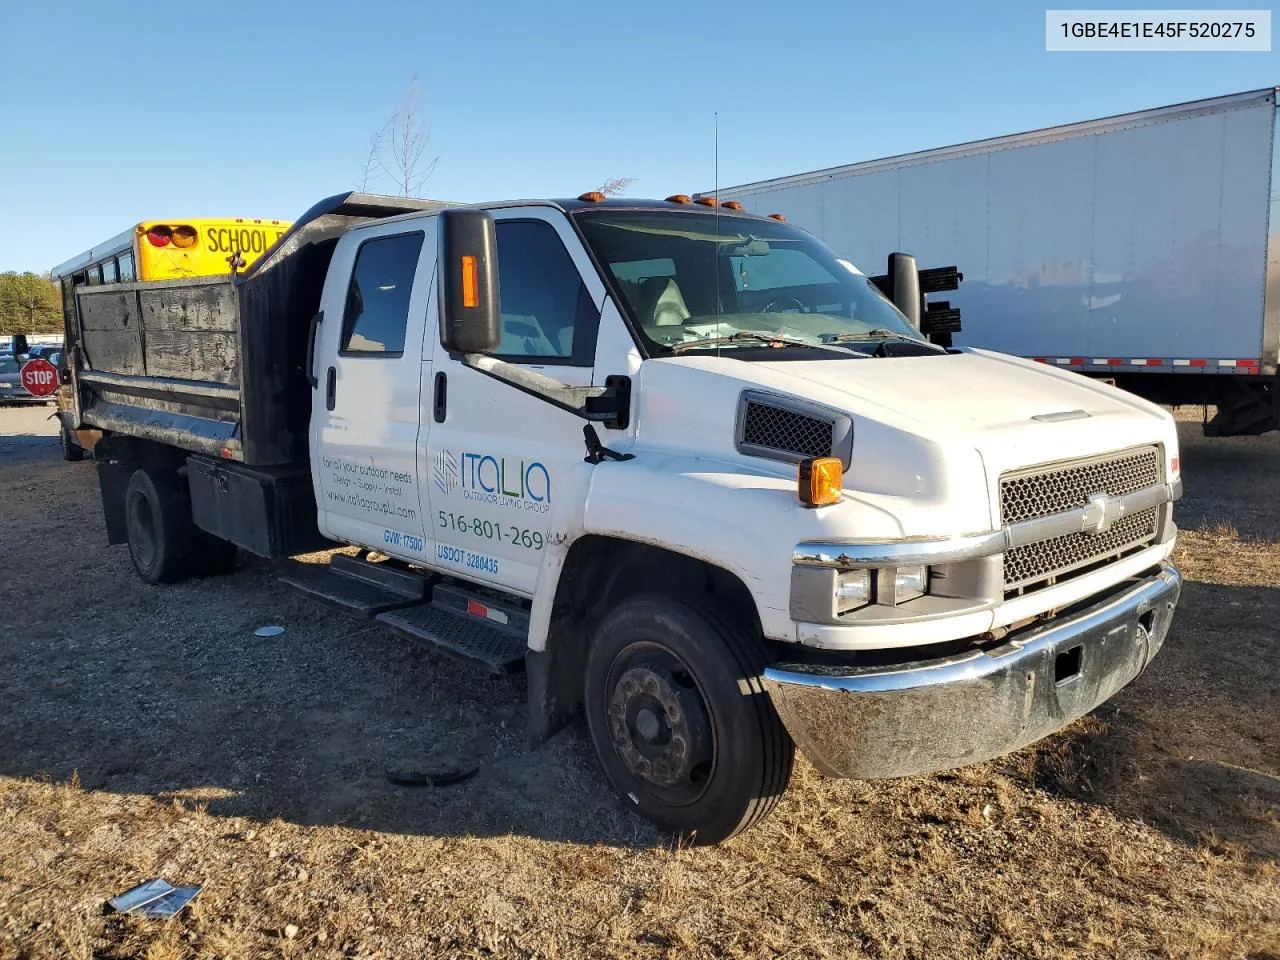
(712, 488)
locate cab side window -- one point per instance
(377, 309)
(547, 314)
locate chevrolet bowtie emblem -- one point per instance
(1100, 512)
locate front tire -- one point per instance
(681, 724)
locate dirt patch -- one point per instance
(146, 731)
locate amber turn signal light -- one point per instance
(470, 282)
(819, 481)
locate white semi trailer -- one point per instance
(1142, 248)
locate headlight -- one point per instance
(853, 590)
(909, 583)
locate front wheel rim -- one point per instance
(660, 724)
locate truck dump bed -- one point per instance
(216, 365)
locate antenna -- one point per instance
(715, 256)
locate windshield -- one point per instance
(686, 277)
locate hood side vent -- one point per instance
(791, 430)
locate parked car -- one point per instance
(11, 388)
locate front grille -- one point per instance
(776, 428)
(1034, 562)
(1058, 488)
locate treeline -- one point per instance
(29, 303)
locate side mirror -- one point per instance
(904, 278)
(470, 312)
(18, 344)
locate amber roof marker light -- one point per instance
(679, 198)
(731, 205)
(777, 216)
(591, 196)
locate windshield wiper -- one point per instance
(879, 333)
(885, 336)
(770, 338)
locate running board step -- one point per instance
(470, 636)
(362, 591)
(389, 574)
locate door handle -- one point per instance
(331, 387)
(311, 349)
(440, 402)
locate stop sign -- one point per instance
(40, 377)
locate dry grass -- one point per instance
(147, 732)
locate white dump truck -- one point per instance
(694, 472)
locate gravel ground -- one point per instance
(146, 731)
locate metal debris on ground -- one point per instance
(156, 899)
(272, 630)
(433, 778)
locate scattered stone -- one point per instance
(290, 931)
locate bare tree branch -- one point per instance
(369, 168)
(615, 186)
(406, 138)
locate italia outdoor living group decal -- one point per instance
(482, 497)
(370, 488)
(520, 490)
(484, 478)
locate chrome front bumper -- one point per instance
(893, 721)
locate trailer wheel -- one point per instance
(157, 515)
(71, 451)
(681, 724)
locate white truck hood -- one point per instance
(933, 429)
(972, 394)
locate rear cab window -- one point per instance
(377, 308)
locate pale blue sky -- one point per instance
(118, 112)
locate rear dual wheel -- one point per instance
(680, 721)
(164, 543)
